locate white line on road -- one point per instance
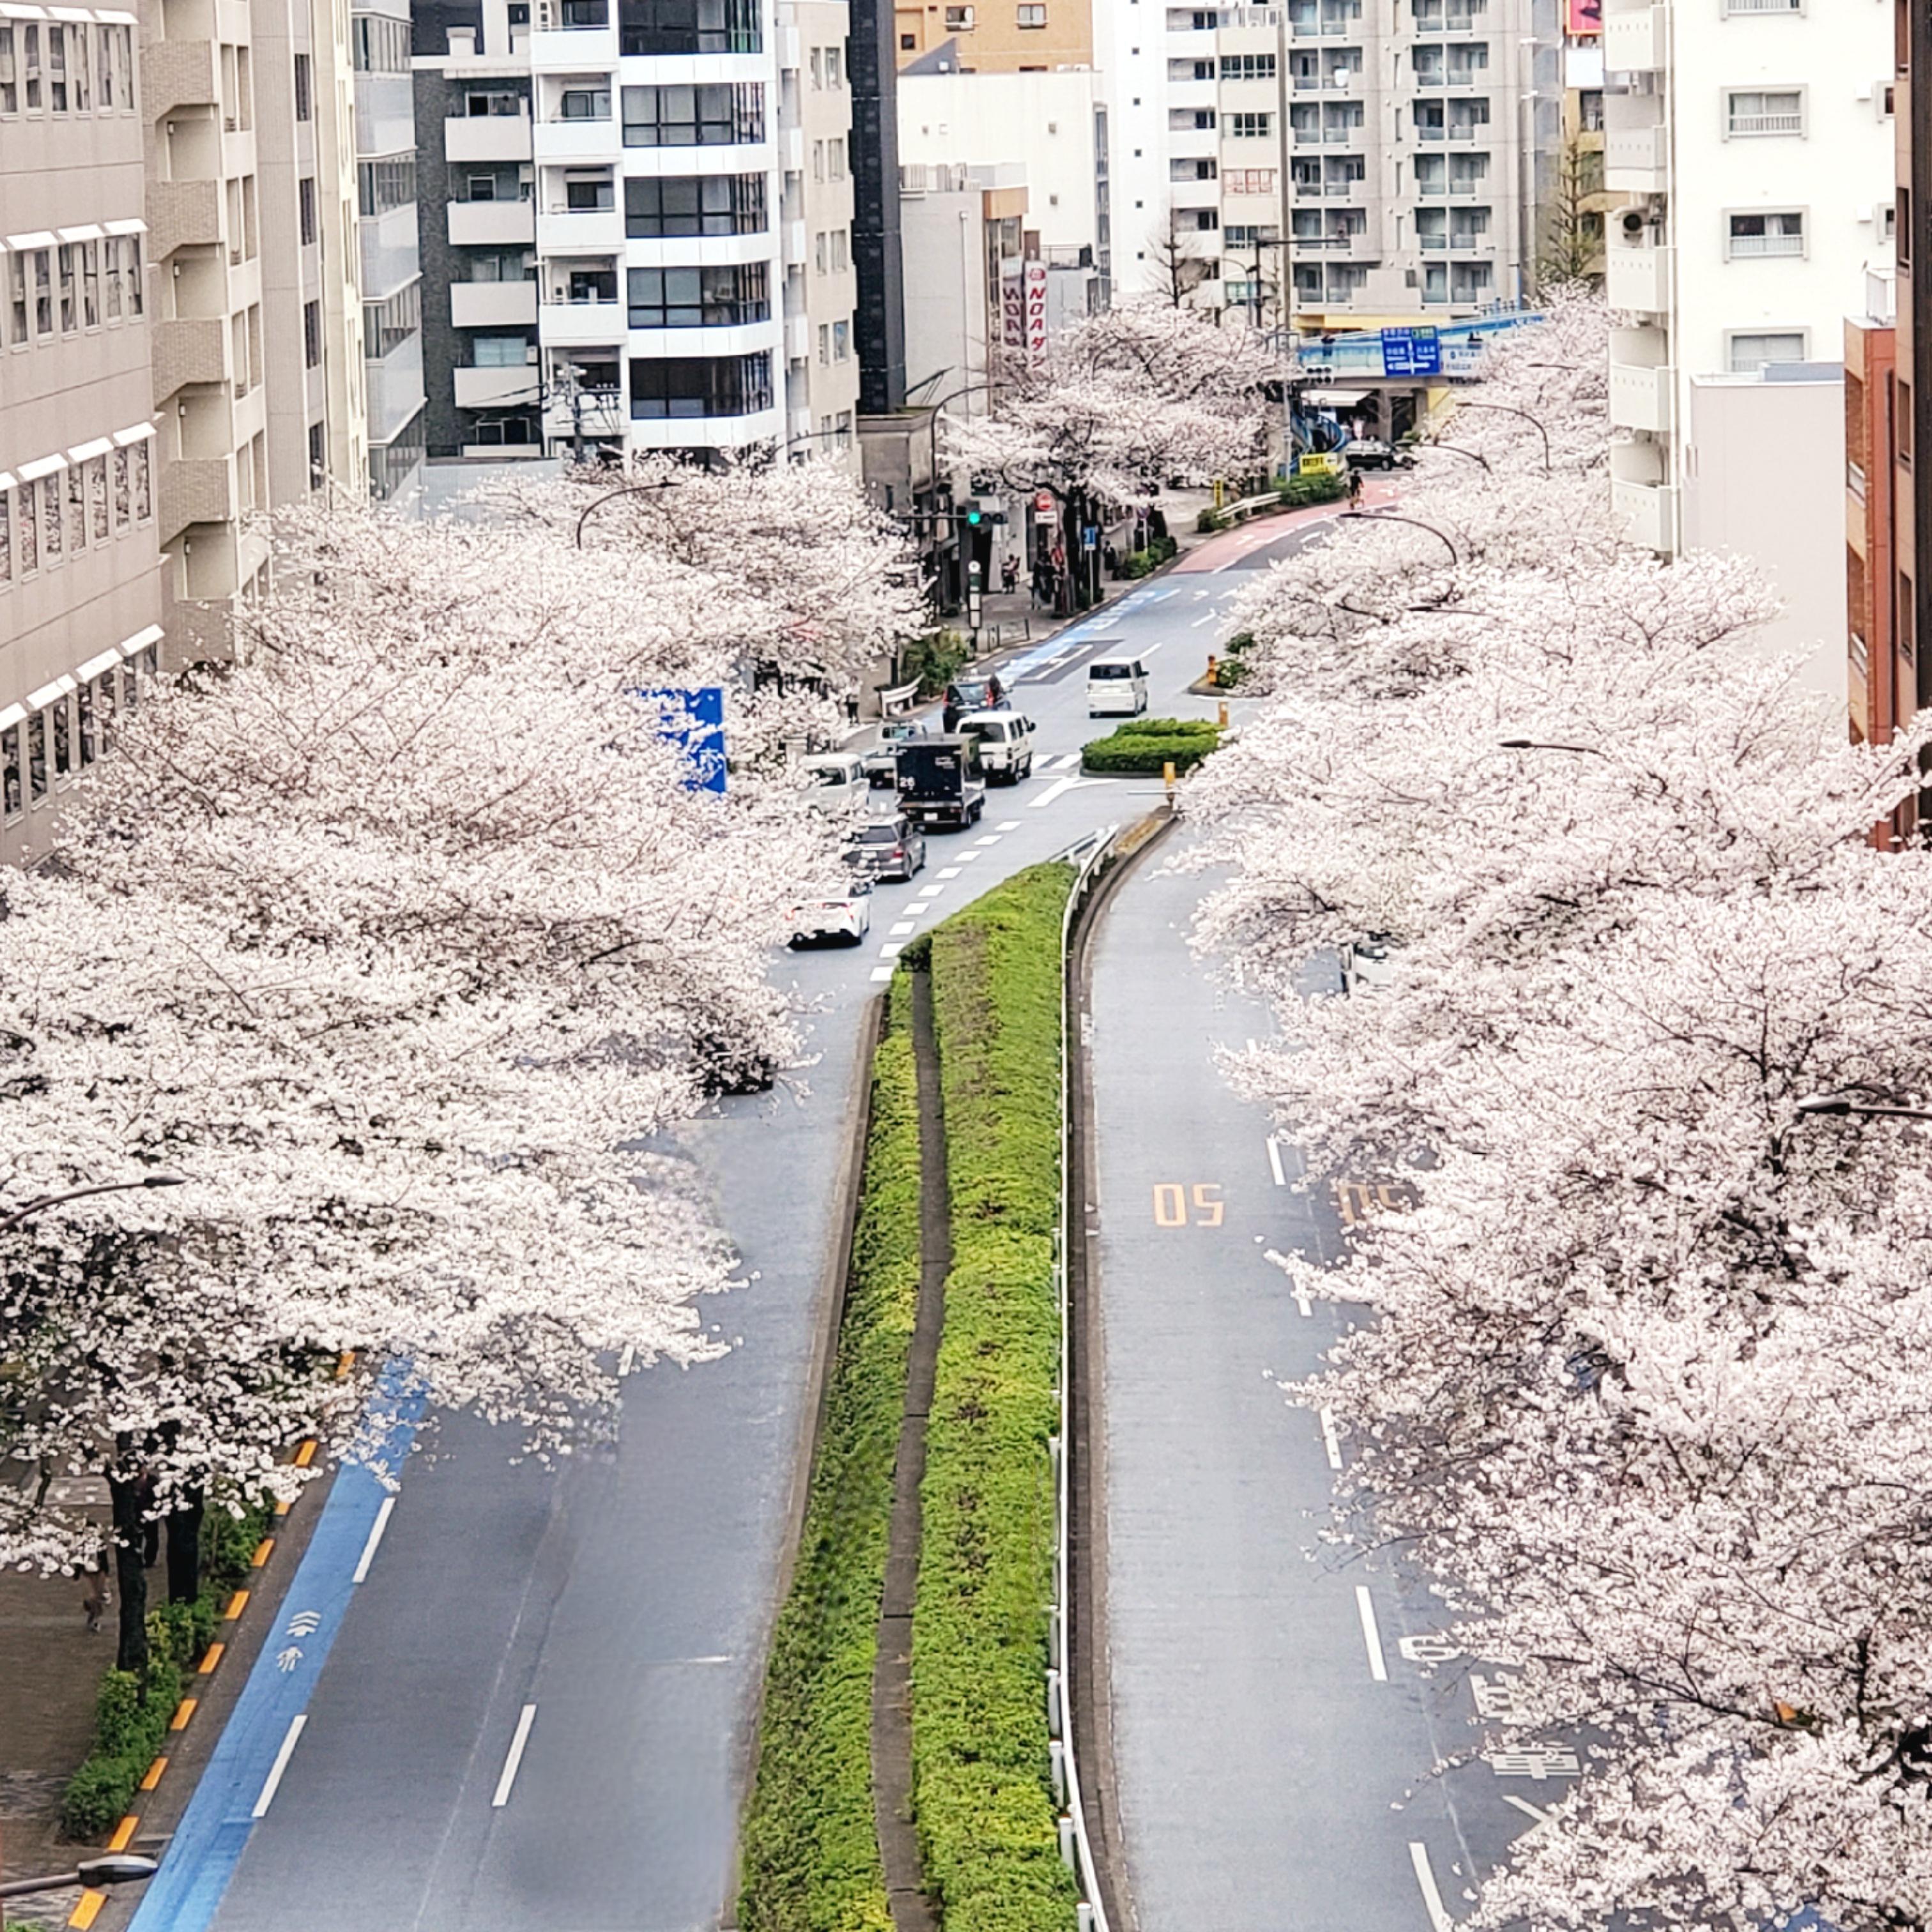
(882, 972)
(891, 950)
(904, 926)
(950, 872)
(1148, 650)
(1300, 1294)
(1330, 1441)
(1542, 1820)
(991, 838)
(1005, 825)
(515, 1758)
(280, 1764)
(1213, 616)
(1274, 1162)
(1432, 1898)
(389, 1504)
(931, 891)
(1055, 790)
(1366, 1610)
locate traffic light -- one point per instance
(973, 514)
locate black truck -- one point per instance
(939, 785)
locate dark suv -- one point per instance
(887, 848)
(972, 694)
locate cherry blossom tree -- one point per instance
(393, 941)
(1641, 1396)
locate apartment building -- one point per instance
(80, 588)
(1880, 680)
(1756, 141)
(386, 234)
(1394, 146)
(995, 36)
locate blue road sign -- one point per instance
(1411, 352)
(695, 722)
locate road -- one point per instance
(536, 1707)
(1277, 1709)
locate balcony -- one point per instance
(196, 490)
(570, 141)
(190, 351)
(797, 337)
(1638, 278)
(492, 224)
(1643, 397)
(182, 215)
(176, 74)
(583, 324)
(487, 137)
(493, 304)
(574, 50)
(581, 231)
(1637, 150)
(1647, 513)
(707, 432)
(1636, 39)
(515, 387)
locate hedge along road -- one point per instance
(1276, 1712)
(597, 1633)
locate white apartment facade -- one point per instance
(691, 211)
(1755, 139)
(80, 589)
(1388, 148)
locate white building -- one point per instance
(1394, 145)
(1756, 134)
(693, 213)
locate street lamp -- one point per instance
(45, 1201)
(1835, 1106)
(110, 1868)
(1456, 449)
(1414, 522)
(1504, 409)
(1535, 745)
(611, 495)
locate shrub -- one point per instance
(982, 1794)
(1144, 747)
(1299, 491)
(1211, 519)
(1142, 562)
(933, 660)
(811, 1855)
(130, 1721)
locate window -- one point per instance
(1246, 67)
(1250, 127)
(818, 68)
(16, 285)
(97, 496)
(700, 205)
(76, 507)
(1760, 111)
(10, 84)
(1750, 353)
(1034, 15)
(90, 284)
(51, 545)
(138, 469)
(825, 345)
(384, 186)
(10, 771)
(842, 342)
(908, 43)
(685, 386)
(57, 69)
(959, 20)
(585, 104)
(499, 351)
(30, 528)
(63, 739)
(378, 44)
(1902, 396)
(30, 61)
(834, 157)
(707, 298)
(124, 497)
(304, 88)
(6, 539)
(688, 27)
(1779, 233)
(70, 311)
(312, 335)
(589, 194)
(721, 114)
(841, 260)
(84, 704)
(37, 756)
(305, 209)
(835, 66)
(818, 160)
(1248, 181)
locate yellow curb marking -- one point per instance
(237, 1604)
(183, 1710)
(87, 1910)
(154, 1777)
(211, 1660)
(123, 1833)
(305, 1455)
(262, 1550)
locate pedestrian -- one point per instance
(851, 707)
(93, 1605)
(1355, 488)
(1010, 574)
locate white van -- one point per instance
(1005, 740)
(838, 781)
(1116, 688)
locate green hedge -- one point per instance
(1299, 491)
(1144, 563)
(983, 1796)
(811, 1859)
(1143, 746)
(131, 1715)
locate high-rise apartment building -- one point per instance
(1393, 146)
(390, 266)
(80, 592)
(1755, 139)
(995, 36)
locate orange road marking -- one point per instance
(210, 1659)
(237, 1604)
(183, 1710)
(282, 1508)
(261, 1555)
(89, 1910)
(124, 1833)
(305, 1455)
(154, 1777)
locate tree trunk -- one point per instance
(130, 1575)
(184, 1533)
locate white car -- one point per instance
(837, 783)
(1116, 688)
(841, 911)
(1005, 740)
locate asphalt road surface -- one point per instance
(1279, 1708)
(528, 1698)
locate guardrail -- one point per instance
(1090, 854)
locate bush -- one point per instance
(1143, 747)
(811, 1855)
(1299, 491)
(983, 1798)
(1143, 562)
(933, 662)
(130, 1722)
(1211, 520)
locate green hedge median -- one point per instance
(982, 1797)
(1144, 746)
(811, 1859)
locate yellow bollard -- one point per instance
(1214, 667)
(1167, 779)
(1224, 714)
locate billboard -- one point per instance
(1583, 17)
(1411, 352)
(694, 721)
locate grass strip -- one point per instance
(811, 1854)
(1143, 747)
(982, 1797)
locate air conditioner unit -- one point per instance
(1410, 279)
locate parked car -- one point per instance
(838, 782)
(1116, 688)
(971, 693)
(1371, 452)
(1005, 740)
(939, 784)
(882, 761)
(887, 848)
(841, 910)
